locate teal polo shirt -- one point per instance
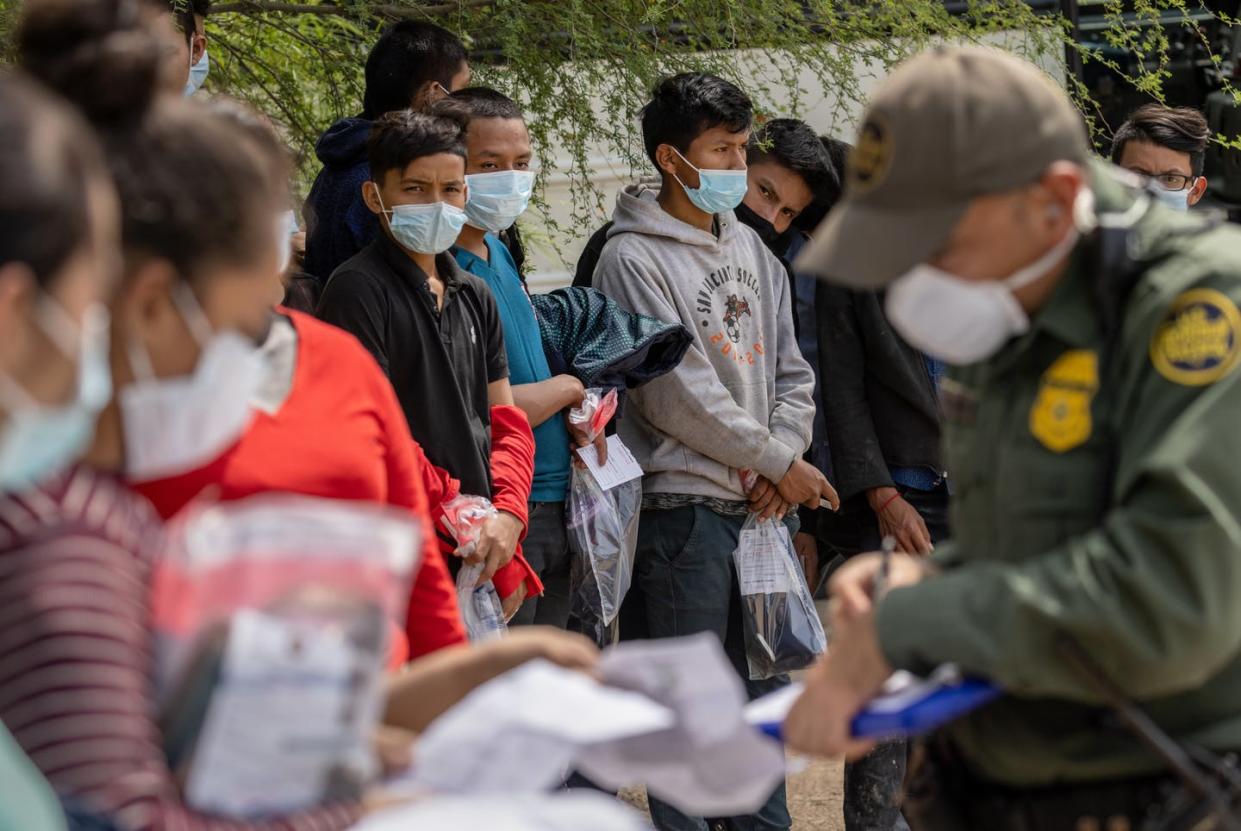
(527, 363)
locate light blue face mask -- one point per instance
(425, 229)
(1177, 200)
(198, 75)
(496, 199)
(718, 191)
(37, 440)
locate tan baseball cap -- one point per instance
(946, 126)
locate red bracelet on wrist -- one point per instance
(888, 502)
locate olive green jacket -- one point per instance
(1097, 492)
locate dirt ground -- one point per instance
(814, 798)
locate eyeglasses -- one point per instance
(1169, 181)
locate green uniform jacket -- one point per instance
(1097, 492)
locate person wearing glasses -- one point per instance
(1166, 146)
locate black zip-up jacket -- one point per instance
(879, 401)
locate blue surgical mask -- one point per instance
(495, 200)
(718, 191)
(37, 440)
(1177, 200)
(198, 75)
(425, 229)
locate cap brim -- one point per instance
(863, 247)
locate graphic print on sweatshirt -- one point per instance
(727, 300)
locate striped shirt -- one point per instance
(76, 655)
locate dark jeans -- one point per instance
(546, 548)
(685, 576)
(873, 784)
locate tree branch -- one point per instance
(385, 10)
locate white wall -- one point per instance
(820, 108)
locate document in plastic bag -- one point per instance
(271, 606)
(781, 624)
(603, 508)
(481, 609)
(289, 715)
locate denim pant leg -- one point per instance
(546, 548)
(685, 573)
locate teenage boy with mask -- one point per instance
(740, 399)
(435, 329)
(412, 65)
(1167, 147)
(499, 184)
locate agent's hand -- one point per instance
(807, 549)
(765, 500)
(852, 586)
(805, 484)
(509, 605)
(838, 687)
(897, 518)
(497, 544)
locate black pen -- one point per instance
(885, 565)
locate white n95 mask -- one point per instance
(174, 425)
(959, 321)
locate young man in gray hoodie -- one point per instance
(740, 400)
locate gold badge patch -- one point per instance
(1197, 342)
(1060, 418)
(871, 157)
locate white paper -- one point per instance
(761, 560)
(774, 707)
(577, 810)
(621, 467)
(279, 721)
(521, 731)
(711, 763)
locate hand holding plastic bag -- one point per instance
(603, 529)
(782, 627)
(481, 609)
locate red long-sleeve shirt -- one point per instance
(339, 434)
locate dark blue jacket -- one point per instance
(338, 223)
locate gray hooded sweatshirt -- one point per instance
(742, 397)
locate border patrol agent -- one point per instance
(1093, 424)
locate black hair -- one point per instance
(793, 145)
(685, 106)
(837, 153)
(478, 102)
(408, 55)
(183, 12)
(201, 8)
(49, 155)
(1182, 129)
(185, 178)
(401, 137)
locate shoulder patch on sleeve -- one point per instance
(1197, 342)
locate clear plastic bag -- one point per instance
(603, 530)
(272, 618)
(782, 627)
(480, 604)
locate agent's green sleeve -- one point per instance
(1153, 592)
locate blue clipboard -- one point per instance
(939, 706)
(935, 709)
